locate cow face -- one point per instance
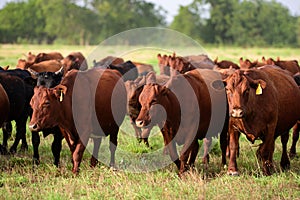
(241, 93)
(150, 99)
(46, 108)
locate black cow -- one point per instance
(18, 85)
(48, 80)
(127, 69)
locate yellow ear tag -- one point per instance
(61, 96)
(259, 90)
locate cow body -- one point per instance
(19, 93)
(262, 104)
(84, 103)
(187, 106)
(127, 69)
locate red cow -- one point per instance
(247, 64)
(289, 65)
(93, 101)
(184, 110)
(262, 105)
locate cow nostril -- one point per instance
(237, 113)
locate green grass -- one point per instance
(20, 180)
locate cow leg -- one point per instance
(206, 144)
(56, 146)
(265, 154)
(77, 156)
(137, 131)
(296, 130)
(35, 139)
(20, 134)
(285, 162)
(224, 145)
(4, 141)
(145, 135)
(94, 158)
(233, 151)
(170, 146)
(6, 129)
(113, 138)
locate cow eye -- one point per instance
(46, 103)
(153, 102)
(246, 91)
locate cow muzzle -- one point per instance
(237, 113)
(140, 123)
(33, 127)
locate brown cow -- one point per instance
(289, 65)
(262, 105)
(80, 59)
(201, 61)
(247, 64)
(92, 101)
(225, 64)
(184, 110)
(105, 62)
(134, 89)
(143, 68)
(163, 63)
(44, 66)
(48, 56)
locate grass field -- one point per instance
(19, 179)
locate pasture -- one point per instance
(19, 179)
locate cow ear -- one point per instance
(60, 91)
(263, 59)
(150, 78)
(259, 85)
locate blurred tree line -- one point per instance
(228, 22)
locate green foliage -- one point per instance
(242, 23)
(38, 21)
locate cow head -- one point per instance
(151, 96)
(70, 62)
(45, 104)
(241, 93)
(49, 79)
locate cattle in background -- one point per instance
(127, 69)
(74, 60)
(289, 65)
(48, 56)
(134, 89)
(4, 109)
(96, 90)
(177, 106)
(44, 66)
(143, 68)
(163, 63)
(263, 105)
(247, 64)
(201, 61)
(105, 62)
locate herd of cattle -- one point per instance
(192, 98)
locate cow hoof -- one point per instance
(233, 173)
(36, 161)
(112, 168)
(24, 148)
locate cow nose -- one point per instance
(237, 112)
(33, 127)
(139, 123)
